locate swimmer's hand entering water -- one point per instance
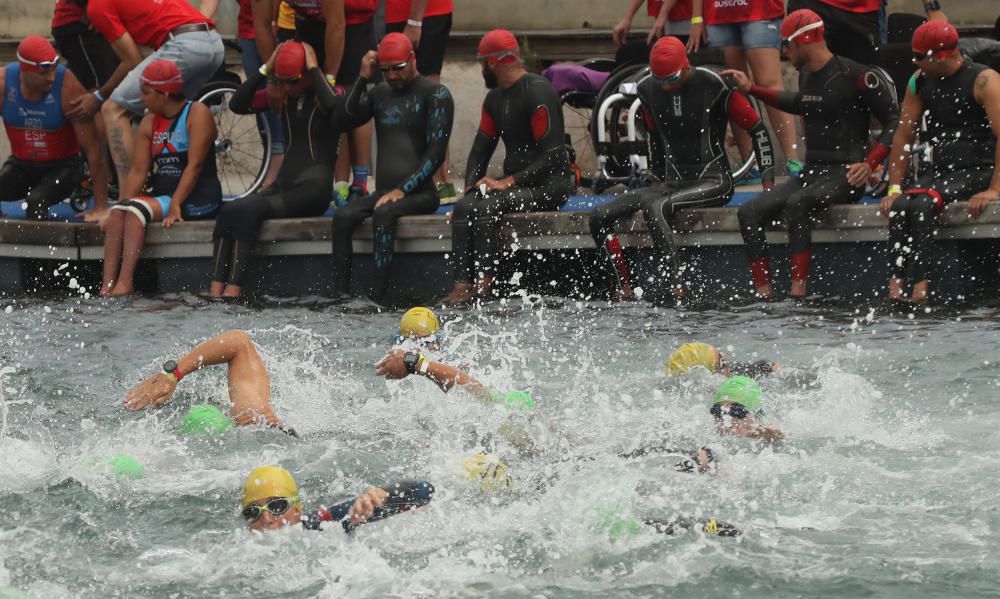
(155, 391)
(365, 505)
(393, 366)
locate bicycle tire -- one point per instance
(242, 163)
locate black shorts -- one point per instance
(853, 35)
(433, 42)
(358, 40)
(90, 57)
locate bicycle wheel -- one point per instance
(243, 145)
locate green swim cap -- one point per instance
(514, 400)
(125, 466)
(205, 421)
(742, 390)
(615, 519)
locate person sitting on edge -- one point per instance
(305, 180)
(413, 117)
(696, 353)
(686, 110)
(270, 501)
(960, 100)
(524, 110)
(837, 98)
(177, 139)
(44, 165)
(249, 385)
(737, 406)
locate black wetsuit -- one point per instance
(963, 147)
(403, 496)
(305, 180)
(528, 116)
(836, 104)
(413, 126)
(754, 370)
(690, 126)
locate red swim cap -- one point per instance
(163, 76)
(395, 48)
(291, 61)
(34, 51)
(935, 37)
(803, 26)
(499, 46)
(667, 57)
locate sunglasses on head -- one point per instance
(277, 507)
(392, 67)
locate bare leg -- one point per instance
(113, 239)
(896, 288)
(135, 238)
(119, 137)
(766, 66)
(765, 291)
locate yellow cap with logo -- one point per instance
(419, 322)
(690, 355)
(268, 481)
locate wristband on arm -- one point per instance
(172, 371)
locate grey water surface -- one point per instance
(886, 484)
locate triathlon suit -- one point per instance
(44, 165)
(413, 126)
(170, 158)
(690, 127)
(528, 117)
(963, 161)
(403, 497)
(305, 180)
(754, 370)
(434, 31)
(852, 29)
(359, 33)
(89, 55)
(836, 104)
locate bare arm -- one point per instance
(208, 7)
(141, 160)
(748, 427)
(130, 57)
(443, 375)
(620, 31)
(333, 12)
(902, 141)
(661, 21)
(987, 93)
(89, 138)
(201, 133)
(263, 15)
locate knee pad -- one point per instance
(139, 209)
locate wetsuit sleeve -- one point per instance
(875, 94)
(358, 109)
(754, 370)
(328, 100)
(242, 100)
(440, 115)
(403, 496)
(550, 140)
(742, 113)
(790, 102)
(482, 148)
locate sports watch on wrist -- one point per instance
(410, 360)
(172, 371)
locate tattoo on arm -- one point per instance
(982, 81)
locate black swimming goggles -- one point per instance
(277, 507)
(733, 410)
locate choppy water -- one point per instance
(885, 486)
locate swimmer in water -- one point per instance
(271, 501)
(737, 406)
(711, 358)
(421, 327)
(249, 385)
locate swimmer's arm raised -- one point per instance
(375, 504)
(444, 376)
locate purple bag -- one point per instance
(573, 77)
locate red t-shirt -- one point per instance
(721, 12)
(65, 14)
(855, 5)
(355, 11)
(147, 21)
(244, 21)
(399, 10)
(680, 12)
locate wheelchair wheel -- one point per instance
(576, 109)
(617, 164)
(243, 145)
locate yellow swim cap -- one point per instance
(488, 471)
(268, 481)
(690, 355)
(419, 322)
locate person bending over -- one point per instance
(176, 139)
(44, 165)
(837, 98)
(693, 354)
(270, 501)
(736, 409)
(961, 103)
(249, 385)
(413, 117)
(309, 115)
(686, 110)
(523, 109)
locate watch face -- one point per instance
(169, 366)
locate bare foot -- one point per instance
(896, 289)
(625, 294)
(765, 292)
(461, 293)
(121, 290)
(483, 286)
(232, 291)
(798, 289)
(920, 290)
(95, 215)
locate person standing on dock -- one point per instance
(524, 110)
(837, 98)
(413, 118)
(960, 100)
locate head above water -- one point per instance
(740, 390)
(421, 325)
(205, 421)
(691, 355)
(487, 470)
(270, 498)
